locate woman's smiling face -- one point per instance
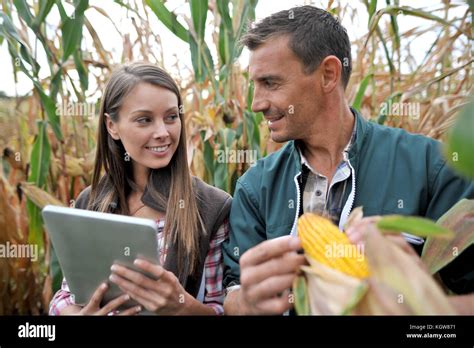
(148, 125)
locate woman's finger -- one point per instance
(151, 268)
(94, 303)
(131, 311)
(135, 291)
(152, 304)
(113, 304)
(134, 276)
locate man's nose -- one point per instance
(259, 102)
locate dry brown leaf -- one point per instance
(392, 267)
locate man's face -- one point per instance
(288, 98)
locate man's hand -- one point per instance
(267, 272)
(356, 234)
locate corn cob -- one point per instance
(319, 236)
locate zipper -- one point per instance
(345, 214)
(298, 194)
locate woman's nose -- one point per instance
(160, 130)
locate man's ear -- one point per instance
(111, 127)
(330, 69)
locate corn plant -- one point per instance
(48, 157)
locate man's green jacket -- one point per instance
(395, 173)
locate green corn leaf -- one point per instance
(247, 15)
(81, 69)
(359, 293)
(417, 226)
(24, 11)
(50, 108)
(361, 91)
(168, 19)
(40, 161)
(221, 175)
(459, 149)
(405, 10)
(199, 16)
(300, 293)
(34, 22)
(203, 64)
(226, 34)
(208, 154)
(72, 29)
(44, 9)
(372, 8)
(253, 132)
(40, 157)
(10, 33)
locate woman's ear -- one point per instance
(111, 127)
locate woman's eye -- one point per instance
(143, 119)
(172, 117)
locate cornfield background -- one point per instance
(48, 157)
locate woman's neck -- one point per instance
(140, 176)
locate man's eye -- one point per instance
(270, 84)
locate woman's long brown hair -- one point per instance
(109, 192)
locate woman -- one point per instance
(142, 148)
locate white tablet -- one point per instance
(87, 243)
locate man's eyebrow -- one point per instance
(264, 78)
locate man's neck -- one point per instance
(323, 149)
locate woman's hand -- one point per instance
(163, 296)
(93, 306)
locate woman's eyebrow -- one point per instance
(141, 111)
(147, 111)
(172, 108)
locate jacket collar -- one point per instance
(361, 129)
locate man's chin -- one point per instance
(279, 138)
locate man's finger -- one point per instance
(401, 242)
(288, 263)
(269, 249)
(276, 305)
(271, 287)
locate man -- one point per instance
(300, 64)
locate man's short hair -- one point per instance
(314, 35)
